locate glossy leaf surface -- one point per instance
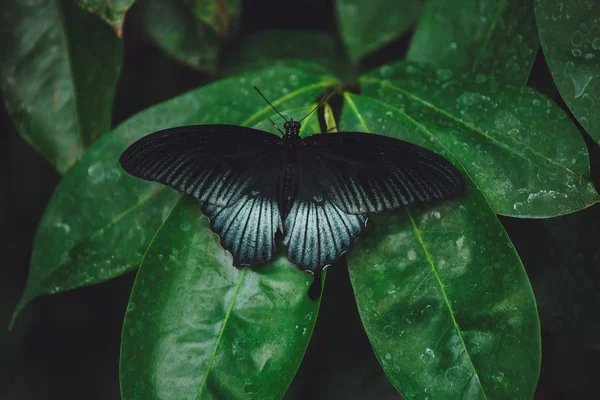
(57, 89)
(366, 25)
(492, 36)
(179, 34)
(220, 15)
(100, 220)
(236, 332)
(111, 11)
(523, 152)
(273, 47)
(570, 36)
(442, 293)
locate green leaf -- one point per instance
(441, 291)
(179, 34)
(111, 11)
(491, 36)
(275, 47)
(570, 36)
(100, 220)
(523, 152)
(57, 87)
(367, 25)
(221, 15)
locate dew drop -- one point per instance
(577, 39)
(412, 255)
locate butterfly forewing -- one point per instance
(216, 164)
(368, 173)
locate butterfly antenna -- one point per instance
(318, 105)
(272, 106)
(276, 127)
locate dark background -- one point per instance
(66, 346)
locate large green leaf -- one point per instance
(570, 36)
(273, 47)
(111, 11)
(58, 72)
(100, 220)
(179, 34)
(441, 291)
(493, 36)
(221, 15)
(366, 25)
(220, 332)
(519, 147)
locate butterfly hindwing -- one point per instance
(212, 163)
(317, 232)
(247, 228)
(368, 173)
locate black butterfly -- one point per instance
(317, 191)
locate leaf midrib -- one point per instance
(220, 338)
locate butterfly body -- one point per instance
(317, 191)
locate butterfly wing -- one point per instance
(317, 231)
(247, 228)
(367, 173)
(212, 163)
(233, 170)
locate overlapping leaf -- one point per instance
(441, 291)
(274, 47)
(58, 88)
(520, 148)
(111, 11)
(491, 36)
(100, 220)
(220, 332)
(366, 25)
(176, 31)
(570, 36)
(221, 15)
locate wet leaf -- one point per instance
(273, 47)
(179, 34)
(221, 15)
(57, 88)
(367, 25)
(570, 36)
(491, 36)
(521, 149)
(111, 11)
(100, 220)
(442, 293)
(218, 331)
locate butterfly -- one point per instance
(317, 191)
